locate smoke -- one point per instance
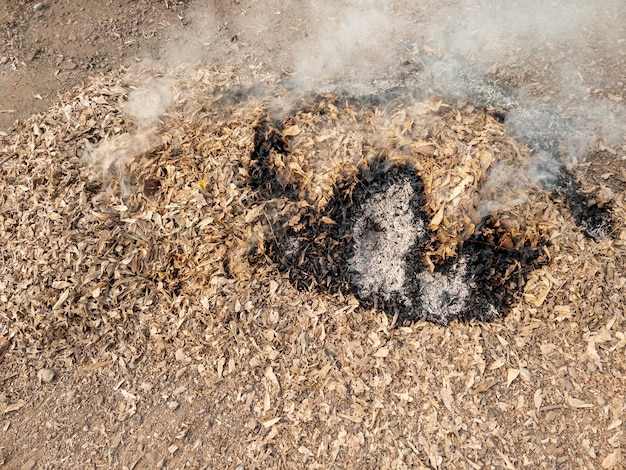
(349, 41)
(200, 37)
(149, 101)
(556, 68)
(110, 156)
(508, 186)
(486, 31)
(144, 106)
(541, 62)
(545, 64)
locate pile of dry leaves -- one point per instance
(122, 241)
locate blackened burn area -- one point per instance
(596, 221)
(543, 132)
(370, 241)
(498, 268)
(267, 141)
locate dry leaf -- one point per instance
(502, 341)
(269, 373)
(273, 287)
(426, 149)
(291, 131)
(446, 396)
(382, 352)
(615, 424)
(305, 451)
(14, 407)
(5, 343)
(592, 352)
(613, 459)
(269, 423)
(547, 348)
(62, 298)
(61, 285)
(484, 386)
(576, 403)
(267, 401)
(404, 396)
(437, 219)
(271, 435)
(511, 375)
(507, 461)
(296, 168)
(538, 398)
(498, 363)
(456, 192)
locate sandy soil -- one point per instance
(46, 48)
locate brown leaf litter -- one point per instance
(144, 259)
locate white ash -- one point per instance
(599, 227)
(383, 236)
(444, 296)
(291, 247)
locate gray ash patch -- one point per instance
(444, 295)
(383, 235)
(386, 268)
(456, 80)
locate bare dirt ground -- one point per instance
(49, 47)
(238, 369)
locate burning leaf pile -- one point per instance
(379, 196)
(370, 234)
(348, 208)
(184, 238)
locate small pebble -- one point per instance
(173, 449)
(172, 405)
(46, 375)
(38, 6)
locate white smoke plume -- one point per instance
(349, 40)
(550, 60)
(543, 62)
(149, 101)
(144, 106)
